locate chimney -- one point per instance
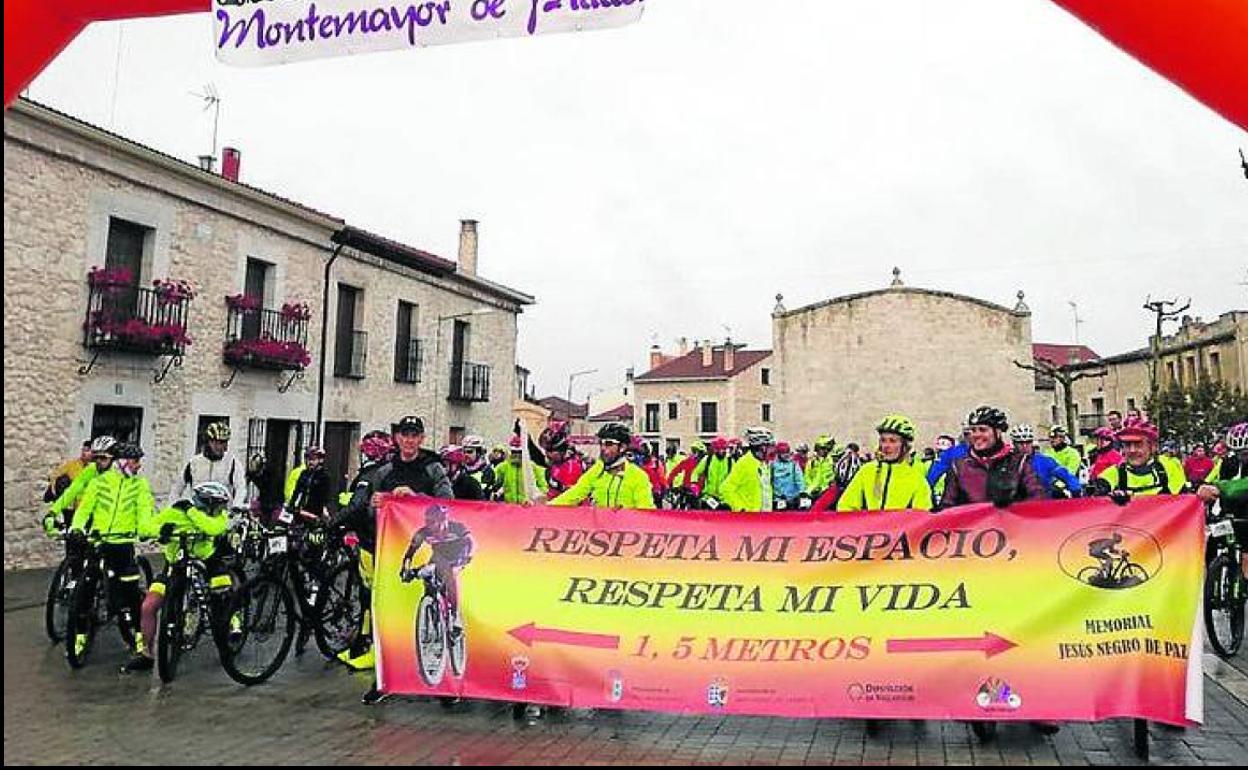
(468, 246)
(730, 356)
(231, 163)
(656, 357)
(206, 163)
(708, 355)
(683, 346)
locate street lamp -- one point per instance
(573, 376)
(437, 352)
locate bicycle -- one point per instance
(1225, 590)
(89, 604)
(1120, 572)
(339, 610)
(433, 630)
(300, 559)
(189, 611)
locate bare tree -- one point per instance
(1067, 375)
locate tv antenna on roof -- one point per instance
(1074, 309)
(212, 101)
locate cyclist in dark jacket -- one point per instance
(992, 471)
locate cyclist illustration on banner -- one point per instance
(1116, 569)
(439, 625)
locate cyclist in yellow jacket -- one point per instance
(115, 509)
(61, 512)
(748, 487)
(890, 482)
(612, 481)
(1141, 472)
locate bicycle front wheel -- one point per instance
(56, 611)
(80, 625)
(339, 611)
(1224, 606)
(260, 623)
(430, 641)
(171, 637)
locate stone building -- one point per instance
(712, 390)
(109, 351)
(932, 355)
(1216, 350)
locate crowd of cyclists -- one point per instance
(101, 499)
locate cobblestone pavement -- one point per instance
(311, 714)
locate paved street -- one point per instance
(311, 714)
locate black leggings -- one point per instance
(123, 585)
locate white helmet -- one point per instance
(1022, 432)
(103, 445)
(759, 437)
(474, 442)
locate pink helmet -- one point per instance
(719, 444)
(1139, 429)
(1105, 433)
(782, 448)
(515, 444)
(376, 446)
(453, 455)
(1237, 437)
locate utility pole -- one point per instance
(1164, 310)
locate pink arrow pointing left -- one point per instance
(529, 633)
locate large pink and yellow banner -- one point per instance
(1071, 610)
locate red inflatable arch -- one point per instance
(1201, 45)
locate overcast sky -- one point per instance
(668, 178)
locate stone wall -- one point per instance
(845, 363)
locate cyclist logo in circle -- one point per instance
(1111, 557)
(439, 627)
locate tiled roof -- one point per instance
(563, 409)
(689, 366)
(622, 413)
(1063, 355)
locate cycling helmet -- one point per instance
(1057, 430)
(217, 431)
(803, 448)
(1104, 433)
(719, 444)
(825, 442)
(783, 447)
(698, 447)
(554, 438)
(898, 424)
(376, 446)
(989, 416)
(759, 437)
(617, 432)
(313, 451)
(453, 455)
(127, 451)
(514, 444)
(103, 445)
(1138, 429)
(210, 496)
(474, 442)
(1237, 437)
(1022, 433)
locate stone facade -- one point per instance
(1217, 350)
(65, 184)
(931, 355)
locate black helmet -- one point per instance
(615, 431)
(127, 451)
(990, 416)
(409, 424)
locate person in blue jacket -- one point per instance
(1057, 480)
(787, 482)
(947, 451)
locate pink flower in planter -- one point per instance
(243, 303)
(296, 311)
(172, 292)
(119, 276)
